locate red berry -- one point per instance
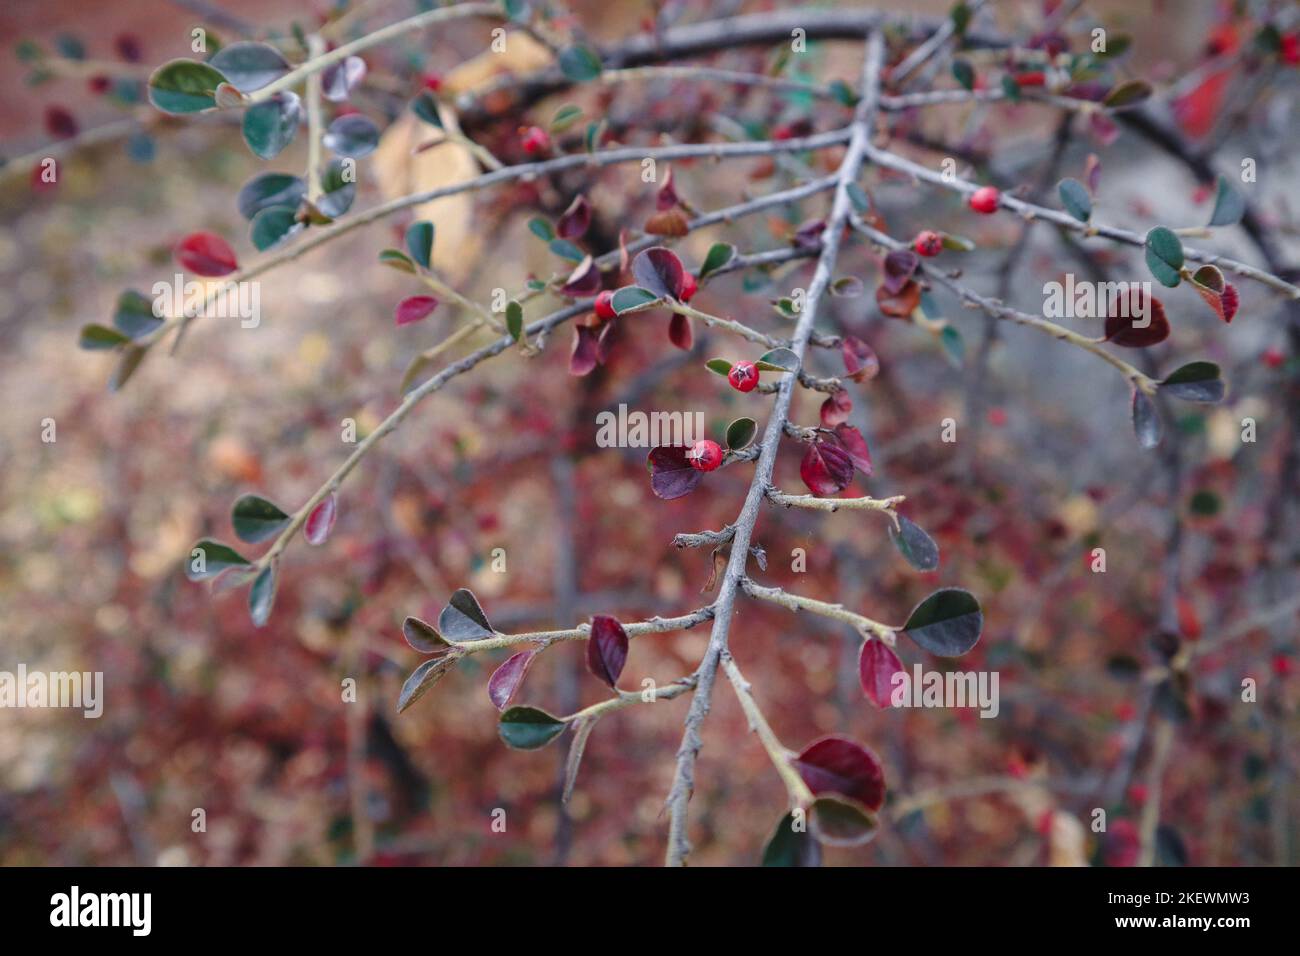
(705, 455)
(1273, 357)
(928, 243)
(1291, 49)
(605, 306)
(535, 140)
(743, 376)
(99, 84)
(1282, 665)
(689, 287)
(985, 199)
(431, 81)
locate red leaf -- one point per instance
(860, 361)
(583, 281)
(1230, 301)
(507, 679)
(826, 469)
(660, 271)
(902, 304)
(839, 765)
(320, 522)
(671, 473)
(679, 331)
(1154, 327)
(835, 410)
(606, 648)
(414, 308)
(856, 446)
(575, 220)
(877, 665)
(206, 254)
(667, 197)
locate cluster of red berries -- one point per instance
(705, 455)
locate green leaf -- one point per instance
(250, 66)
(184, 86)
(351, 135)
(595, 132)
(957, 243)
(396, 259)
(134, 315)
(964, 73)
(271, 126)
(1195, 382)
(518, 10)
(954, 346)
(1229, 206)
(1075, 199)
(425, 106)
(419, 241)
(567, 250)
(719, 365)
(1146, 420)
(917, 548)
(1010, 88)
(256, 519)
(542, 229)
(270, 189)
(273, 225)
(778, 360)
(261, 597)
(1116, 46)
(720, 254)
(631, 297)
(528, 728)
(741, 432)
(947, 623)
(564, 117)
(790, 847)
(211, 559)
(96, 338)
(843, 94)
(858, 198)
(838, 821)
(1164, 254)
(340, 188)
(131, 358)
(1127, 94)
(1205, 504)
(960, 15)
(579, 64)
(515, 320)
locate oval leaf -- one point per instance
(1164, 255)
(256, 519)
(205, 254)
(1146, 420)
(838, 765)
(414, 308)
(184, 86)
(1075, 199)
(507, 679)
(740, 433)
(419, 241)
(606, 649)
(1229, 206)
(877, 665)
(837, 822)
(671, 474)
(271, 126)
(916, 547)
(947, 623)
(423, 637)
(631, 297)
(659, 271)
(250, 66)
(214, 557)
(261, 597)
(528, 728)
(352, 135)
(270, 189)
(826, 469)
(791, 847)
(462, 619)
(423, 678)
(320, 522)
(1195, 382)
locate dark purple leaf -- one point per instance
(660, 271)
(900, 265)
(856, 446)
(679, 331)
(507, 679)
(583, 281)
(606, 649)
(860, 361)
(575, 220)
(671, 474)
